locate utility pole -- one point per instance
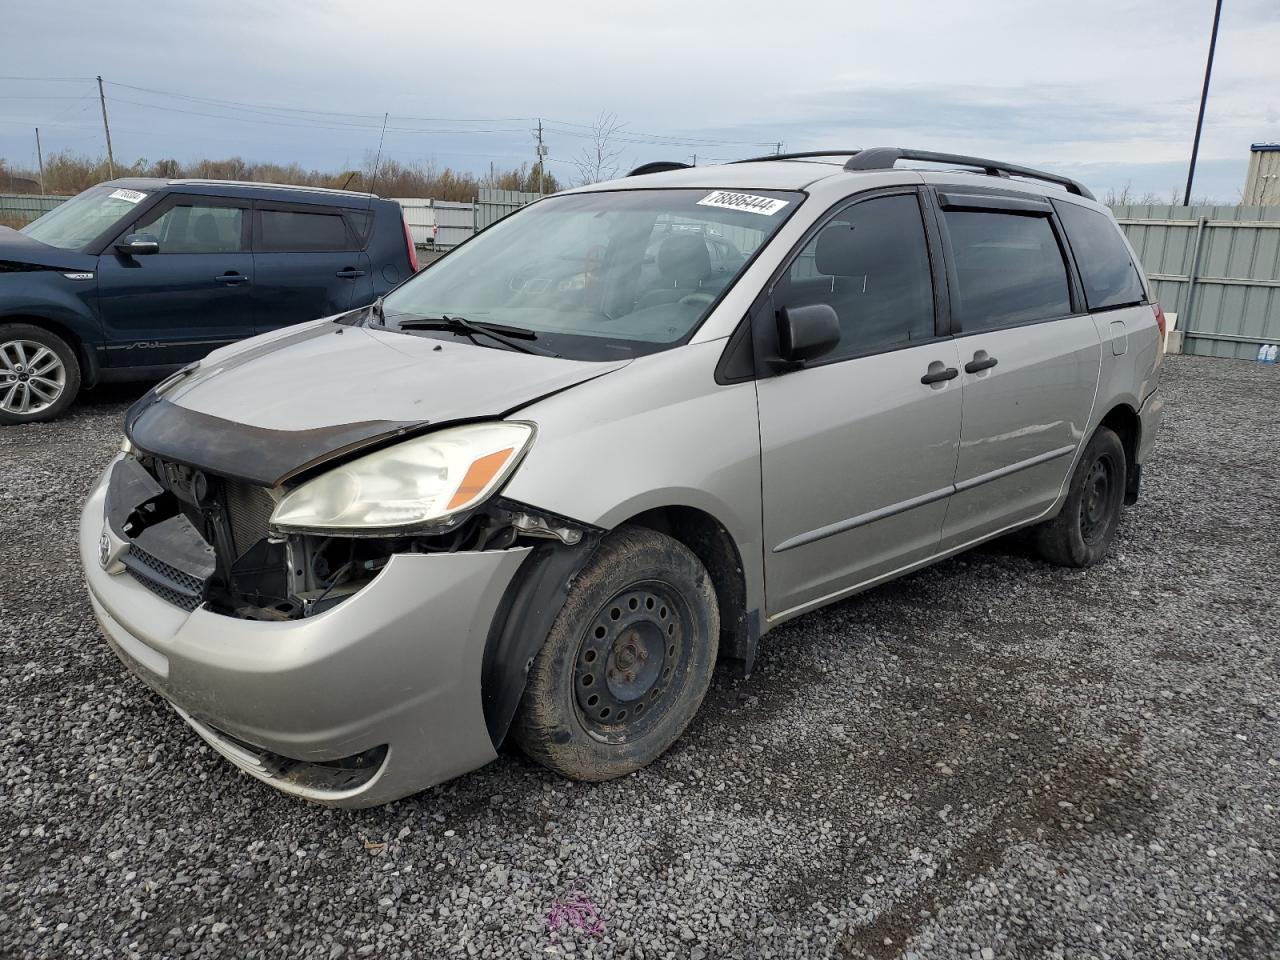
(778, 150)
(40, 160)
(542, 156)
(111, 160)
(695, 160)
(1204, 96)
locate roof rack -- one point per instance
(883, 158)
(204, 182)
(806, 155)
(658, 166)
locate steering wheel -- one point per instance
(697, 298)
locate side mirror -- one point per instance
(138, 245)
(807, 332)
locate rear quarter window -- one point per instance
(295, 231)
(1106, 269)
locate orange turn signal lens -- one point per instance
(479, 475)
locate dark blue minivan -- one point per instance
(134, 278)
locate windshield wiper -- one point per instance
(508, 336)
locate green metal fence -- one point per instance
(1218, 268)
(22, 208)
(492, 205)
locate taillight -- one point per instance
(1159, 312)
(413, 258)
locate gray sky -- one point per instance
(1105, 90)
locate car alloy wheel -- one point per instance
(32, 377)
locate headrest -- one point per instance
(839, 251)
(683, 258)
(205, 230)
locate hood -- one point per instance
(272, 408)
(17, 248)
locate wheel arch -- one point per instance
(1123, 420)
(710, 541)
(88, 362)
(536, 595)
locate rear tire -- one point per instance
(626, 663)
(39, 374)
(1081, 534)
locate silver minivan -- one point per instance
(542, 488)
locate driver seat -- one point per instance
(683, 262)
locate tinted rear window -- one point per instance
(1110, 279)
(288, 230)
(1009, 269)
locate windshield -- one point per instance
(72, 225)
(598, 276)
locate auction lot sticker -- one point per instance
(133, 196)
(743, 201)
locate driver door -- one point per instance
(194, 295)
(858, 453)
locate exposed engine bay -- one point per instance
(195, 538)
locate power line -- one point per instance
(675, 137)
(51, 79)
(262, 107)
(303, 118)
(301, 124)
(637, 137)
(270, 110)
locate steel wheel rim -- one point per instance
(1095, 504)
(632, 661)
(32, 377)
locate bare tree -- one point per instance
(599, 159)
(1119, 198)
(1126, 197)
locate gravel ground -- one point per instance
(991, 758)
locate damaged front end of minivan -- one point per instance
(343, 631)
(294, 551)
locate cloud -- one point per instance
(1105, 86)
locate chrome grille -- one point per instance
(249, 511)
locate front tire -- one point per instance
(39, 374)
(626, 663)
(1081, 534)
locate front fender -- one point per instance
(658, 433)
(43, 294)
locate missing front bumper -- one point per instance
(397, 665)
(328, 780)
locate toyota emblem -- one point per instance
(104, 548)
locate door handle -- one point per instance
(938, 376)
(980, 363)
(230, 277)
(349, 273)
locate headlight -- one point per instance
(414, 483)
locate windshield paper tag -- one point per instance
(132, 196)
(743, 201)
